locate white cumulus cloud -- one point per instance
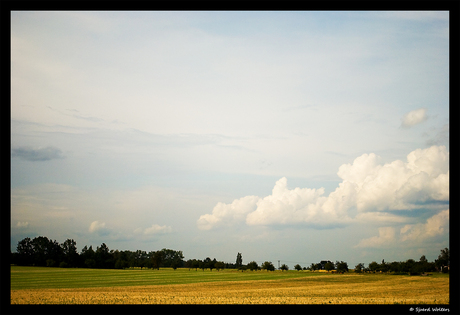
(422, 180)
(228, 213)
(293, 206)
(414, 117)
(157, 229)
(96, 226)
(367, 187)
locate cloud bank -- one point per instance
(368, 186)
(40, 154)
(388, 236)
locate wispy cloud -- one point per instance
(22, 225)
(414, 117)
(38, 154)
(154, 229)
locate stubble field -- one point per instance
(36, 285)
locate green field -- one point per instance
(41, 285)
(59, 278)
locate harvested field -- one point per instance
(304, 288)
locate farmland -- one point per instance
(41, 285)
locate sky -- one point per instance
(286, 136)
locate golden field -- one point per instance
(320, 289)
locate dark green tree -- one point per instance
(384, 267)
(201, 264)
(267, 265)
(87, 257)
(314, 267)
(69, 252)
(374, 266)
(253, 266)
(297, 267)
(359, 268)
(171, 257)
(239, 260)
(284, 267)
(443, 261)
(219, 265)
(25, 252)
(395, 267)
(195, 264)
(341, 266)
(209, 264)
(329, 266)
(157, 259)
(121, 259)
(102, 257)
(44, 249)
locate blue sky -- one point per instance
(266, 133)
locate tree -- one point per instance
(121, 259)
(443, 261)
(239, 260)
(219, 265)
(373, 266)
(63, 264)
(341, 266)
(207, 263)
(297, 267)
(284, 267)
(50, 263)
(69, 252)
(211, 263)
(395, 266)
(157, 259)
(172, 258)
(267, 265)
(423, 259)
(329, 266)
(384, 267)
(253, 266)
(359, 268)
(188, 264)
(25, 251)
(139, 259)
(87, 257)
(195, 264)
(175, 264)
(103, 257)
(44, 249)
(407, 266)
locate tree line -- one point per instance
(410, 266)
(42, 251)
